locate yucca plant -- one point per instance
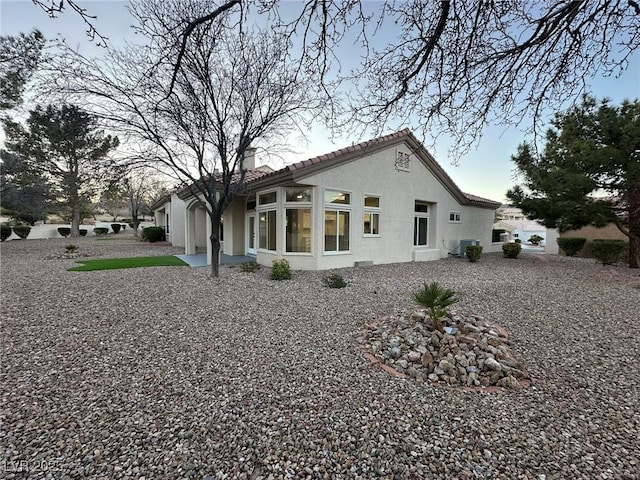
(436, 300)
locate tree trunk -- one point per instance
(75, 221)
(215, 244)
(634, 252)
(215, 257)
(633, 206)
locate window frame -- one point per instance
(417, 215)
(298, 205)
(372, 211)
(457, 216)
(266, 192)
(267, 211)
(339, 208)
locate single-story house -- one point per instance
(386, 200)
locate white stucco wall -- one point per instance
(376, 174)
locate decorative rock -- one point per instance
(395, 352)
(414, 356)
(453, 358)
(426, 359)
(492, 364)
(508, 382)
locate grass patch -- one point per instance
(130, 262)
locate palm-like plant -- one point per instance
(436, 300)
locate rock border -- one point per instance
(472, 355)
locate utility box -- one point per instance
(464, 244)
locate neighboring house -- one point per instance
(518, 227)
(522, 229)
(508, 212)
(382, 201)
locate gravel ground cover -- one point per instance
(166, 373)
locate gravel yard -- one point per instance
(165, 373)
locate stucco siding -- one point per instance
(398, 190)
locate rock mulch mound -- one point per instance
(471, 352)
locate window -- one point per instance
(421, 224)
(267, 198)
(298, 195)
(251, 202)
(455, 217)
(337, 217)
(336, 231)
(331, 196)
(267, 230)
(166, 224)
(298, 230)
(371, 221)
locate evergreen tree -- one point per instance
(588, 172)
(19, 57)
(26, 194)
(66, 145)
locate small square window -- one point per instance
(371, 201)
(455, 217)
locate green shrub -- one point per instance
(115, 227)
(517, 240)
(571, 246)
(83, 232)
(535, 239)
(71, 248)
(334, 280)
(436, 300)
(473, 252)
(64, 231)
(101, 231)
(606, 251)
(511, 250)
(152, 234)
(22, 231)
(280, 270)
(249, 267)
(5, 232)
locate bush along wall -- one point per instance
(22, 231)
(511, 250)
(5, 232)
(473, 252)
(571, 246)
(64, 231)
(608, 251)
(101, 231)
(152, 234)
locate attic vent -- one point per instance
(402, 162)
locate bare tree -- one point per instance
(232, 91)
(140, 188)
(449, 67)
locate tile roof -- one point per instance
(329, 159)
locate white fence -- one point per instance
(50, 230)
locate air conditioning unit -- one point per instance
(464, 244)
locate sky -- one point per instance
(485, 171)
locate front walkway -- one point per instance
(200, 259)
